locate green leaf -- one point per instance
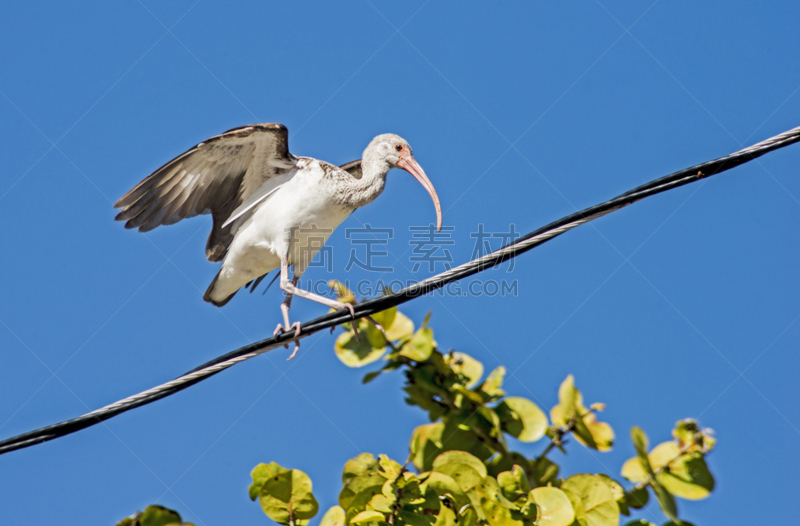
(467, 516)
(577, 507)
(465, 476)
(639, 440)
(445, 485)
(159, 516)
(487, 419)
(687, 476)
(491, 386)
(260, 474)
(618, 492)
(354, 353)
(555, 508)
(587, 430)
(390, 468)
(288, 495)
(638, 468)
(453, 438)
(412, 518)
(465, 365)
(343, 294)
(640, 522)
(386, 318)
(594, 434)
(685, 431)
(374, 335)
(597, 498)
(522, 478)
(637, 498)
(567, 398)
(500, 463)
(333, 517)
(389, 366)
(543, 471)
(371, 376)
(514, 484)
(368, 516)
(430, 440)
(401, 327)
(381, 503)
(445, 517)
(460, 457)
(420, 346)
(426, 444)
(496, 508)
(361, 465)
(522, 419)
(431, 504)
(360, 502)
(490, 489)
(469, 394)
(359, 490)
(632, 470)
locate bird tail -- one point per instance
(210, 297)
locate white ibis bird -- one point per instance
(262, 199)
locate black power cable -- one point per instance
(525, 243)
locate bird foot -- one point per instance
(349, 306)
(280, 329)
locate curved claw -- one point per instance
(280, 329)
(338, 305)
(296, 326)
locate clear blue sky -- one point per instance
(681, 306)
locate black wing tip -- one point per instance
(129, 224)
(207, 297)
(219, 303)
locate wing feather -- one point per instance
(266, 189)
(353, 168)
(216, 177)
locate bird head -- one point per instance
(396, 152)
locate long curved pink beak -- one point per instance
(410, 165)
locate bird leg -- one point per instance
(280, 329)
(291, 289)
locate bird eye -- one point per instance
(398, 147)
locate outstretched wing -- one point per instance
(215, 177)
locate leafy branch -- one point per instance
(460, 470)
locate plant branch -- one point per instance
(557, 440)
(398, 492)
